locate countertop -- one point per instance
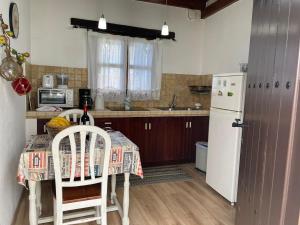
(151, 112)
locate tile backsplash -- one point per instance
(171, 84)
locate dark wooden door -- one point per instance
(269, 105)
(292, 214)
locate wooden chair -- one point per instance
(75, 113)
(81, 192)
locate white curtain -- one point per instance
(109, 73)
(144, 69)
(107, 65)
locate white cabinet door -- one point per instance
(224, 143)
(228, 92)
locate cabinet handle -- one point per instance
(146, 126)
(186, 124)
(149, 126)
(44, 128)
(190, 124)
(107, 123)
(108, 129)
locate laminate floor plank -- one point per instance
(190, 202)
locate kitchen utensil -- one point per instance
(55, 97)
(62, 81)
(198, 105)
(99, 102)
(200, 89)
(48, 81)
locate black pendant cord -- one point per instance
(123, 30)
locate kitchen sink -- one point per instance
(131, 109)
(176, 108)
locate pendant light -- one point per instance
(102, 23)
(165, 27)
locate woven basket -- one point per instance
(53, 131)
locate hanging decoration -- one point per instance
(11, 66)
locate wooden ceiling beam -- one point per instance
(215, 7)
(190, 4)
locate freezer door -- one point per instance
(223, 158)
(228, 92)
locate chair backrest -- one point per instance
(76, 114)
(84, 150)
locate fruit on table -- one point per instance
(59, 122)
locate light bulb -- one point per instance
(102, 23)
(165, 30)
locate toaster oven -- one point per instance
(63, 98)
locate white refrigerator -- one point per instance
(224, 140)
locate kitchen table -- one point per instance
(36, 165)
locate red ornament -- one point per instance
(21, 85)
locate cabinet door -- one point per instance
(165, 140)
(198, 131)
(41, 126)
(137, 131)
(199, 128)
(175, 139)
(155, 140)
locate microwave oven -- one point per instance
(63, 98)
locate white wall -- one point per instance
(12, 122)
(55, 43)
(214, 45)
(227, 38)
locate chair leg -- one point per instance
(38, 198)
(98, 213)
(57, 213)
(54, 212)
(103, 214)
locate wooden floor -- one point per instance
(172, 203)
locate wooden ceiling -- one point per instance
(190, 4)
(206, 11)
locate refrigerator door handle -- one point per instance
(238, 123)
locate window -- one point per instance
(117, 65)
(107, 66)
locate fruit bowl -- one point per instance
(53, 131)
(56, 125)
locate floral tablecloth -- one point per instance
(36, 160)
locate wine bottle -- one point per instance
(85, 120)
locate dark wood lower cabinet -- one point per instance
(161, 140)
(41, 129)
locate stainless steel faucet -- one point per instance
(173, 103)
